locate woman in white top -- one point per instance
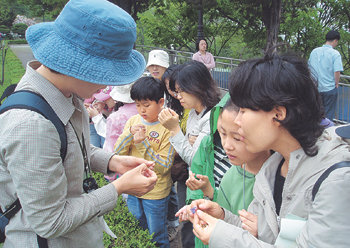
(196, 90)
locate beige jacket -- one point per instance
(327, 217)
(54, 205)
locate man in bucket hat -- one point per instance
(87, 47)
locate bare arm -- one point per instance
(336, 78)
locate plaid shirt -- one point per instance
(54, 204)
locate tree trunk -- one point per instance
(271, 18)
(200, 33)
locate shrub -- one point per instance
(4, 29)
(20, 29)
(124, 225)
(12, 42)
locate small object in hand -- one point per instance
(204, 225)
(193, 210)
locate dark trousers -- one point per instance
(173, 207)
(329, 100)
(187, 235)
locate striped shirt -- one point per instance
(221, 161)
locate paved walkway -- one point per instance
(23, 52)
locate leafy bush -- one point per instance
(124, 225)
(19, 28)
(4, 29)
(12, 42)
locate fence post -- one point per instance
(3, 56)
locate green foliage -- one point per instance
(179, 31)
(124, 225)
(12, 42)
(44, 7)
(19, 28)
(7, 13)
(13, 70)
(303, 31)
(4, 29)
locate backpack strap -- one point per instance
(12, 210)
(8, 91)
(325, 174)
(25, 99)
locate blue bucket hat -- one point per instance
(91, 40)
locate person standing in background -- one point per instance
(325, 64)
(158, 62)
(203, 56)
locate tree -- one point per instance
(179, 30)
(45, 7)
(134, 7)
(335, 14)
(7, 13)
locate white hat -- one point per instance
(158, 57)
(122, 93)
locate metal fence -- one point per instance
(342, 112)
(224, 66)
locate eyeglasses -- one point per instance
(178, 92)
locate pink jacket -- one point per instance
(115, 124)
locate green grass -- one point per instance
(124, 225)
(13, 69)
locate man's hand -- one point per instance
(170, 120)
(122, 164)
(137, 181)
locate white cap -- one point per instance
(122, 93)
(158, 57)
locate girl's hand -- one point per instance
(249, 222)
(170, 120)
(192, 139)
(99, 106)
(201, 182)
(92, 111)
(182, 214)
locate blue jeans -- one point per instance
(95, 139)
(152, 214)
(329, 100)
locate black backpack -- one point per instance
(34, 102)
(325, 174)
